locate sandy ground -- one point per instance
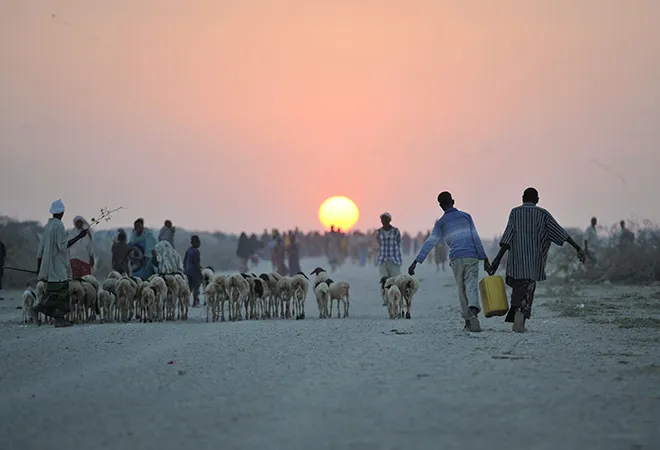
(360, 383)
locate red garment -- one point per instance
(80, 268)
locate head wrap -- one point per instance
(57, 207)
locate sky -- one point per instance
(239, 115)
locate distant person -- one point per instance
(363, 249)
(456, 229)
(591, 241)
(243, 251)
(81, 254)
(53, 267)
(627, 237)
(192, 265)
(293, 252)
(440, 257)
(167, 232)
(529, 232)
(278, 257)
(332, 249)
(141, 244)
(389, 248)
(406, 243)
(3, 255)
(120, 254)
(255, 247)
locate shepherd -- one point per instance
(81, 254)
(52, 267)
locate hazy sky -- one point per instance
(242, 114)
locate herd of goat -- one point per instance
(247, 296)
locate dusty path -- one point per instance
(332, 384)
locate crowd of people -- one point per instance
(529, 232)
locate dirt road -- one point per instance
(359, 383)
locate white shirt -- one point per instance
(591, 237)
(53, 251)
(83, 249)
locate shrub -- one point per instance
(638, 263)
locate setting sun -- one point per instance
(339, 211)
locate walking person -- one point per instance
(440, 257)
(456, 228)
(591, 240)
(293, 252)
(332, 248)
(244, 251)
(167, 233)
(120, 254)
(81, 254)
(529, 232)
(3, 255)
(192, 266)
(389, 248)
(626, 237)
(53, 267)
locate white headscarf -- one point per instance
(85, 225)
(57, 207)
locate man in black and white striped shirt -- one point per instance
(528, 235)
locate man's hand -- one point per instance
(411, 269)
(493, 266)
(581, 256)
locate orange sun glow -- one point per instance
(339, 211)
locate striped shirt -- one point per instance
(389, 243)
(529, 232)
(456, 228)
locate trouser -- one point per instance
(389, 269)
(2, 273)
(522, 297)
(194, 284)
(466, 273)
(56, 300)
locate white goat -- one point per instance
(322, 293)
(220, 297)
(184, 297)
(238, 290)
(339, 290)
(106, 303)
(394, 301)
(285, 292)
(157, 283)
(207, 278)
(29, 300)
(299, 287)
(125, 293)
(408, 287)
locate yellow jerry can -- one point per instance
(493, 296)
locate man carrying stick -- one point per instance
(52, 266)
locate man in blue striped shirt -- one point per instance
(456, 228)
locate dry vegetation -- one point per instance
(22, 241)
(622, 287)
(637, 265)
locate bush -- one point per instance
(638, 263)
